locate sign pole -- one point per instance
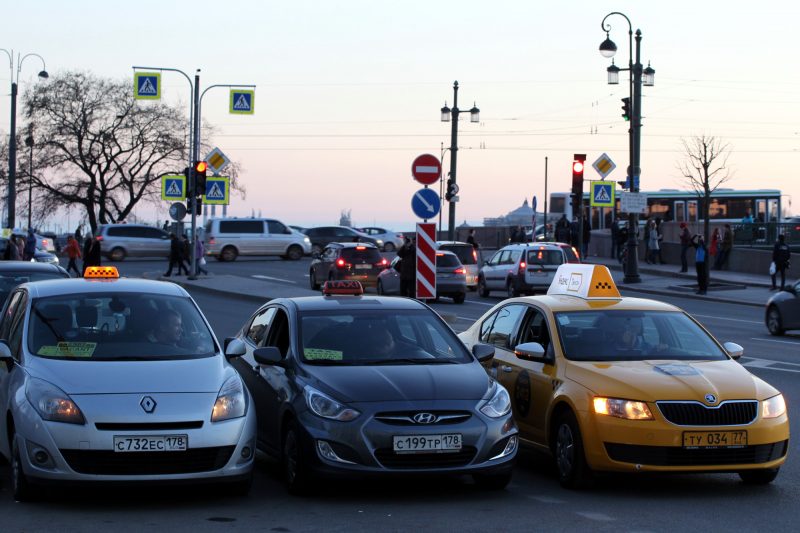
(193, 186)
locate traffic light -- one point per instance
(200, 168)
(626, 108)
(577, 176)
(188, 173)
(198, 205)
(451, 191)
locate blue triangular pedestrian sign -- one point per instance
(174, 188)
(215, 192)
(602, 195)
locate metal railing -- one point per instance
(765, 234)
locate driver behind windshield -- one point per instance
(169, 328)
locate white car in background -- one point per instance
(391, 240)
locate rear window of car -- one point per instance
(241, 226)
(447, 260)
(572, 257)
(10, 279)
(465, 252)
(367, 255)
(545, 257)
(122, 231)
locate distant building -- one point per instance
(521, 216)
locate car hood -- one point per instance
(401, 382)
(669, 380)
(130, 377)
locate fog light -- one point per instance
(511, 447)
(326, 452)
(246, 452)
(39, 456)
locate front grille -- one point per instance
(107, 462)
(147, 426)
(731, 413)
(405, 418)
(389, 459)
(676, 456)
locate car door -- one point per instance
(11, 330)
(490, 268)
(156, 242)
(325, 265)
(501, 331)
(790, 309)
(390, 278)
(277, 384)
(279, 237)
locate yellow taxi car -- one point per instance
(616, 384)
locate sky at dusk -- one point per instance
(348, 92)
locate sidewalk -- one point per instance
(250, 289)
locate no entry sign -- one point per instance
(426, 169)
(426, 261)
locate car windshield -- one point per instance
(118, 326)
(545, 257)
(609, 335)
(10, 279)
(365, 255)
(369, 337)
(465, 252)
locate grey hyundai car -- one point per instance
(352, 385)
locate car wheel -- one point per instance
(295, 467)
(312, 280)
(482, 290)
(511, 291)
(493, 481)
(228, 253)
(459, 298)
(774, 322)
(759, 477)
(316, 249)
(22, 489)
(573, 471)
(295, 253)
(389, 247)
(117, 254)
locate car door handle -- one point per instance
(506, 368)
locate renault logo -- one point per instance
(710, 398)
(424, 418)
(148, 404)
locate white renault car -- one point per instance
(107, 379)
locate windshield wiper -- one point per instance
(410, 361)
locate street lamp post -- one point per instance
(452, 188)
(12, 144)
(638, 77)
(29, 144)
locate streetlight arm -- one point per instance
(223, 85)
(10, 60)
(22, 60)
(607, 27)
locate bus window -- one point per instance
(773, 215)
(680, 211)
(660, 209)
(692, 210)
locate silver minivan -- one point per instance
(118, 241)
(521, 269)
(228, 238)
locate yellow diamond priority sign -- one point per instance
(604, 165)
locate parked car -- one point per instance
(40, 256)
(298, 229)
(228, 238)
(468, 256)
(521, 268)
(450, 277)
(14, 273)
(51, 239)
(783, 310)
(352, 386)
(323, 235)
(43, 243)
(118, 241)
(347, 261)
(391, 240)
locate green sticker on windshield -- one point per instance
(68, 349)
(316, 354)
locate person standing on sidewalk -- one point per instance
(200, 257)
(587, 236)
(725, 248)
(652, 242)
(781, 254)
(175, 255)
(408, 268)
(686, 240)
(92, 255)
(614, 239)
(562, 230)
(700, 257)
(74, 253)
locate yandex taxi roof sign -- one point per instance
(590, 282)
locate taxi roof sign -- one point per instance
(590, 282)
(101, 272)
(351, 287)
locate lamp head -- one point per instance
(649, 76)
(613, 74)
(445, 113)
(607, 47)
(43, 75)
(474, 114)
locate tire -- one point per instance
(459, 298)
(774, 322)
(759, 477)
(573, 471)
(20, 486)
(117, 254)
(228, 253)
(493, 481)
(312, 280)
(294, 253)
(389, 247)
(511, 291)
(482, 290)
(296, 474)
(316, 249)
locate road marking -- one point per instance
(730, 319)
(600, 517)
(775, 340)
(769, 364)
(480, 303)
(260, 276)
(546, 499)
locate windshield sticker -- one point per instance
(563, 320)
(677, 370)
(316, 354)
(69, 349)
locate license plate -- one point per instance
(363, 267)
(151, 443)
(538, 272)
(714, 439)
(450, 442)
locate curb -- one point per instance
(690, 296)
(685, 275)
(216, 292)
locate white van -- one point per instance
(228, 238)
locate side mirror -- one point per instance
(733, 349)
(267, 355)
(530, 351)
(483, 352)
(234, 348)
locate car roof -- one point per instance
(27, 266)
(556, 303)
(369, 302)
(353, 244)
(451, 243)
(60, 287)
(535, 245)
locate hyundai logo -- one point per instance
(148, 404)
(424, 418)
(710, 398)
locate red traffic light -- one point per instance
(577, 167)
(201, 166)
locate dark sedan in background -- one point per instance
(783, 310)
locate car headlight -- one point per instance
(773, 407)
(627, 409)
(306, 240)
(52, 403)
(499, 404)
(326, 407)
(231, 401)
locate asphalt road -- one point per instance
(534, 500)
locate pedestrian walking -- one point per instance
(471, 239)
(700, 257)
(652, 242)
(781, 253)
(408, 268)
(686, 240)
(11, 253)
(74, 253)
(92, 255)
(176, 256)
(660, 240)
(725, 247)
(562, 230)
(573, 233)
(200, 257)
(713, 250)
(30, 246)
(186, 253)
(78, 234)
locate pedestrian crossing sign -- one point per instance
(242, 102)
(602, 194)
(147, 85)
(217, 190)
(173, 187)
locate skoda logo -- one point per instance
(148, 404)
(424, 418)
(710, 398)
